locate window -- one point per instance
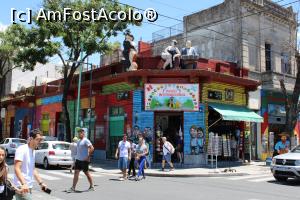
(285, 63)
(61, 146)
(252, 53)
(268, 56)
(116, 111)
(19, 141)
(43, 146)
(6, 141)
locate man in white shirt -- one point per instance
(123, 152)
(25, 166)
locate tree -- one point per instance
(19, 49)
(70, 38)
(292, 105)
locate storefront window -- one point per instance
(116, 111)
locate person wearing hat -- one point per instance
(73, 148)
(83, 157)
(283, 145)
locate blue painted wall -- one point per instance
(190, 119)
(145, 118)
(20, 115)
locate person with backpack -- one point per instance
(168, 150)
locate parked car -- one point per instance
(49, 138)
(53, 153)
(286, 165)
(11, 144)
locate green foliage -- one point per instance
(20, 48)
(93, 36)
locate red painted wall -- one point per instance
(103, 103)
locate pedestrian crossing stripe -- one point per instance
(59, 176)
(43, 176)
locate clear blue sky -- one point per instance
(176, 9)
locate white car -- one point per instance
(287, 165)
(11, 144)
(53, 153)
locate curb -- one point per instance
(195, 175)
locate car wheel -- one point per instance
(7, 155)
(46, 164)
(280, 178)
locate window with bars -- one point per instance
(268, 57)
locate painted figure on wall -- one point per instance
(200, 140)
(129, 52)
(193, 134)
(171, 55)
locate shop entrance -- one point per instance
(231, 138)
(167, 124)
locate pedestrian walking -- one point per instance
(73, 148)
(24, 167)
(132, 160)
(83, 158)
(168, 150)
(141, 153)
(123, 153)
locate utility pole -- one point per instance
(79, 85)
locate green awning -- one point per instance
(236, 113)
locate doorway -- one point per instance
(167, 124)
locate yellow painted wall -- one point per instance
(85, 103)
(239, 93)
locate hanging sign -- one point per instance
(172, 97)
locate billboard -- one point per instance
(172, 97)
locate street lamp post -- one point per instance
(90, 95)
(78, 91)
(90, 98)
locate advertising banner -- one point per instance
(172, 97)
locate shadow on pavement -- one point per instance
(290, 182)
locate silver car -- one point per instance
(11, 144)
(53, 153)
(287, 165)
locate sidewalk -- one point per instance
(254, 168)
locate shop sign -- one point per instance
(172, 97)
(254, 101)
(122, 95)
(216, 95)
(49, 100)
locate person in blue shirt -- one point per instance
(282, 146)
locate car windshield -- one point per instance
(61, 146)
(19, 141)
(296, 149)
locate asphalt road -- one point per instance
(253, 187)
